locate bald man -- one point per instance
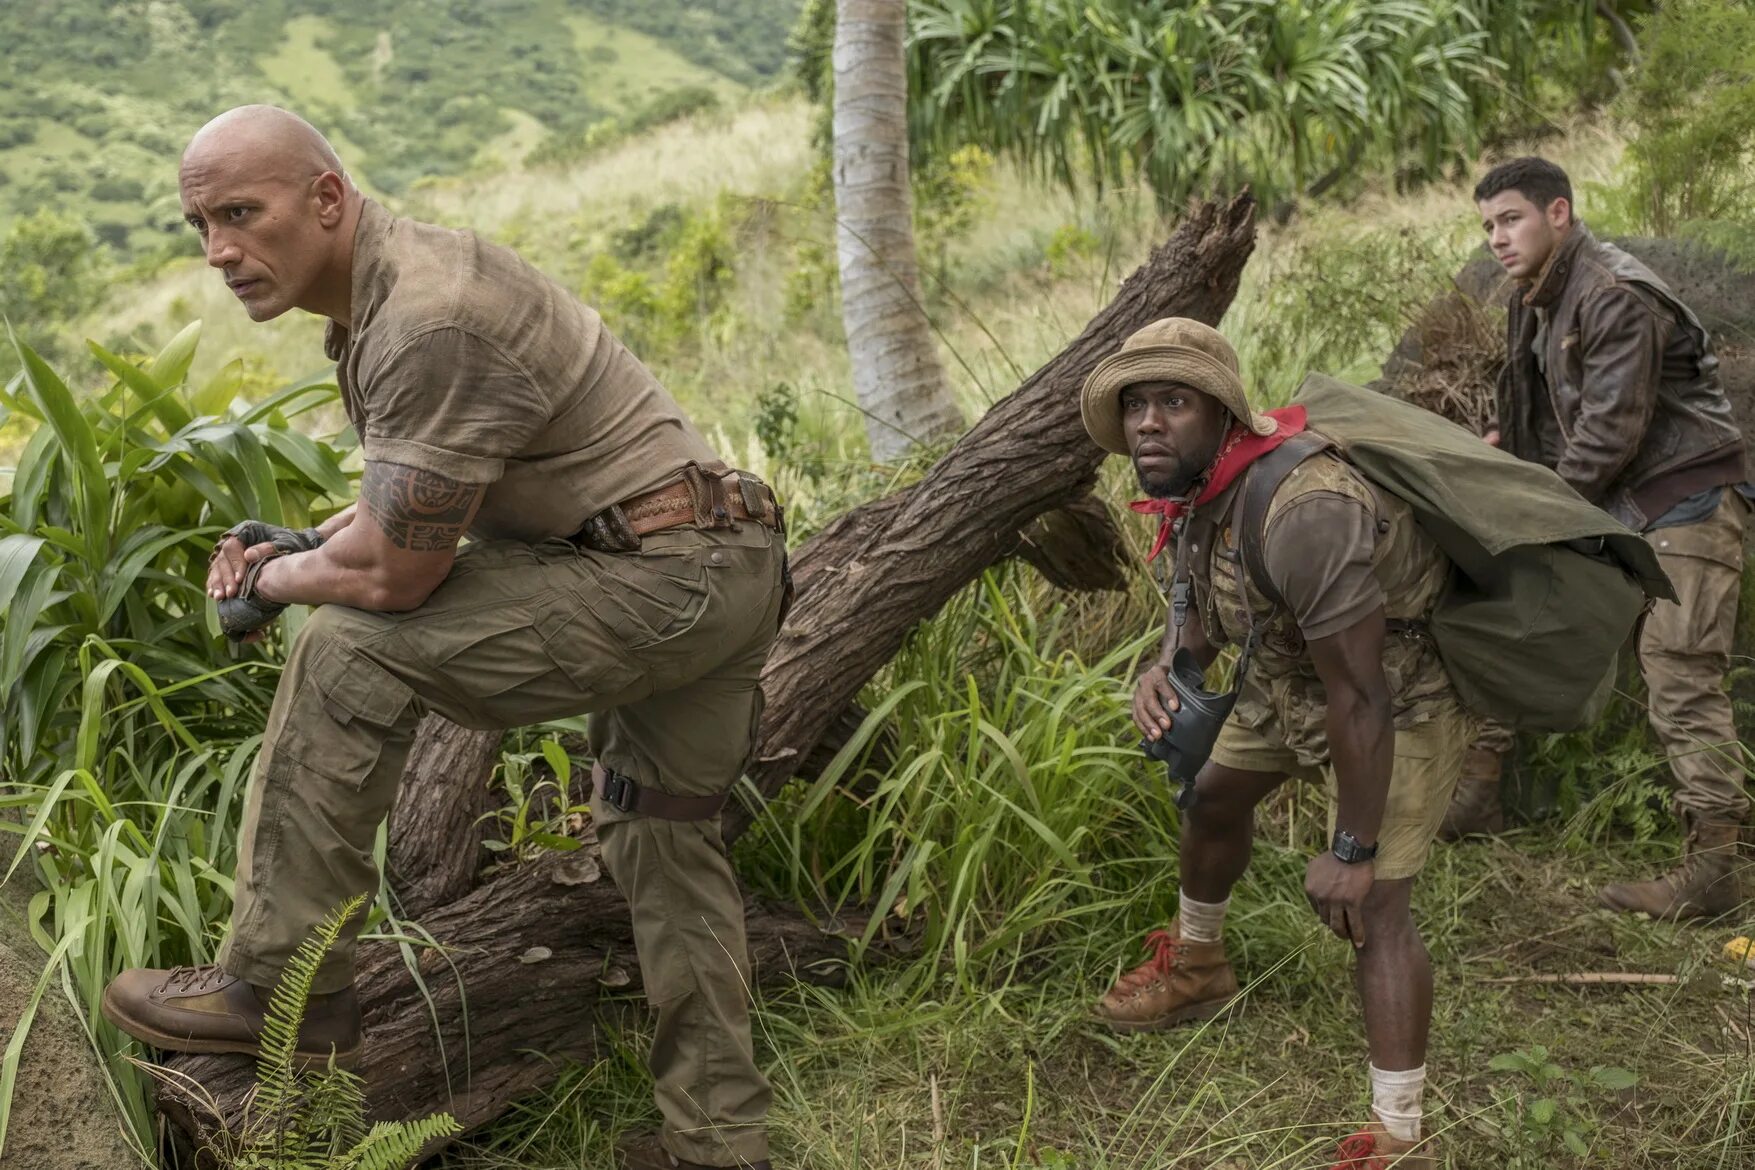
(615, 567)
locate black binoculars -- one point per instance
(1194, 726)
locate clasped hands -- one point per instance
(236, 565)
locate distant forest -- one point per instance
(95, 95)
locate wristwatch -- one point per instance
(1348, 849)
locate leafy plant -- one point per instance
(538, 809)
(304, 1119)
(1550, 1108)
(1290, 98)
(127, 728)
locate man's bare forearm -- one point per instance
(340, 573)
(1360, 723)
(408, 524)
(1361, 745)
(337, 522)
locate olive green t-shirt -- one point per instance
(463, 360)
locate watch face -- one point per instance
(1348, 849)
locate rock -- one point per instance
(63, 1116)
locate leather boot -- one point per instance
(1706, 884)
(646, 1152)
(1373, 1148)
(1182, 981)
(204, 1009)
(1474, 807)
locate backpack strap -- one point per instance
(1261, 481)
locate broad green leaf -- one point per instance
(17, 552)
(33, 595)
(214, 397)
(306, 394)
(30, 479)
(316, 463)
(558, 760)
(556, 842)
(1542, 1110)
(1610, 1077)
(121, 575)
(62, 413)
(156, 397)
(171, 365)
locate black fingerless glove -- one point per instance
(249, 611)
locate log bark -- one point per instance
(436, 829)
(525, 965)
(867, 579)
(529, 964)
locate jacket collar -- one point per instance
(1546, 288)
(364, 292)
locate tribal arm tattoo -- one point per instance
(419, 510)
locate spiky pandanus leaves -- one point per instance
(1199, 97)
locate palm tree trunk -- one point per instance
(897, 377)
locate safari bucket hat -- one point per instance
(1173, 349)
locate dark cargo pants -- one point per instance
(665, 648)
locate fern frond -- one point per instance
(282, 1128)
(392, 1145)
(335, 1109)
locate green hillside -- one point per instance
(97, 97)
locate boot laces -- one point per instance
(201, 978)
(1166, 950)
(1358, 1151)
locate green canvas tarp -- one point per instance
(1547, 587)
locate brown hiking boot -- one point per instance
(1373, 1148)
(1705, 885)
(1474, 807)
(203, 1009)
(1182, 981)
(646, 1152)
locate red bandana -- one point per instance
(1240, 448)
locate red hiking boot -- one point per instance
(1182, 981)
(1372, 1148)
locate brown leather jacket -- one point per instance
(1630, 412)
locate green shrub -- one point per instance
(1691, 162)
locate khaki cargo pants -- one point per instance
(665, 647)
(1684, 652)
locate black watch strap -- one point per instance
(1347, 848)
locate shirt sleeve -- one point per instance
(448, 401)
(1318, 555)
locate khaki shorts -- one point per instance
(1428, 760)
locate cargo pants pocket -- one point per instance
(349, 709)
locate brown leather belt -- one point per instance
(622, 793)
(706, 497)
(674, 506)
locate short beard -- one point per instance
(1166, 487)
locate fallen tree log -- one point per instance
(521, 965)
(882, 568)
